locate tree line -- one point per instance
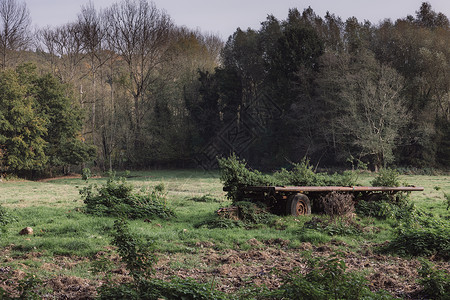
(131, 89)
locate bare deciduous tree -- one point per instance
(93, 39)
(140, 34)
(14, 29)
(65, 46)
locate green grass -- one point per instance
(61, 230)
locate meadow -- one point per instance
(61, 257)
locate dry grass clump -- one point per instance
(337, 204)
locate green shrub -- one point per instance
(245, 214)
(139, 258)
(326, 279)
(235, 174)
(334, 226)
(218, 222)
(422, 236)
(174, 289)
(385, 209)
(253, 213)
(387, 205)
(387, 177)
(86, 174)
(116, 198)
(302, 174)
(436, 283)
(137, 255)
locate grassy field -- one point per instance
(66, 242)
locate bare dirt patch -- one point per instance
(233, 269)
(265, 264)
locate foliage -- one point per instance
(244, 214)
(386, 205)
(253, 213)
(334, 226)
(138, 256)
(86, 174)
(302, 174)
(387, 177)
(422, 235)
(435, 282)
(223, 223)
(5, 216)
(116, 198)
(385, 209)
(22, 128)
(235, 174)
(154, 289)
(374, 110)
(327, 279)
(140, 259)
(26, 288)
(39, 123)
(5, 219)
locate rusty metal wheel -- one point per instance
(298, 204)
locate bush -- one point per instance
(436, 283)
(140, 259)
(253, 213)
(385, 209)
(242, 214)
(137, 255)
(219, 222)
(334, 226)
(386, 205)
(387, 177)
(116, 198)
(302, 174)
(327, 279)
(422, 236)
(235, 174)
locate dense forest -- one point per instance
(126, 88)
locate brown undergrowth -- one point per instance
(265, 263)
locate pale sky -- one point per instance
(222, 17)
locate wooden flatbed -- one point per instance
(296, 200)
